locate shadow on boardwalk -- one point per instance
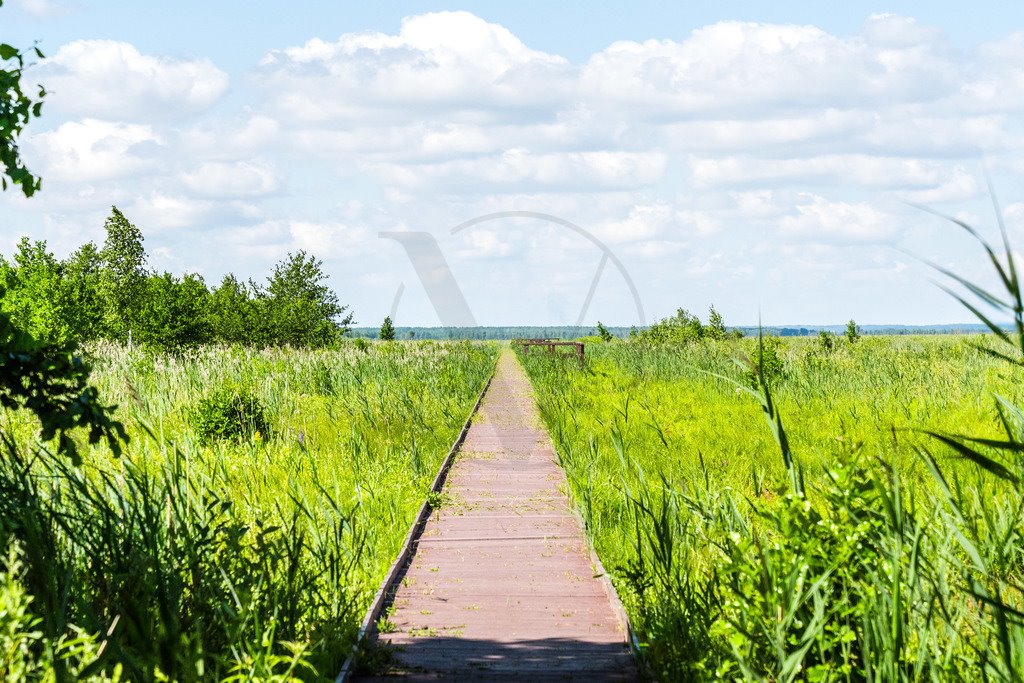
(463, 659)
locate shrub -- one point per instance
(230, 413)
(387, 330)
(826, 341)
(852, 332)
(766, 361)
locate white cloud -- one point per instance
(516, 169)
(644, 223)
(161, 212)
(739, 157)
(447, 61)
(112, 80)
(850, 170)
(824, 220)
(90, 150)
(325, 240)
(45, 9)
(231, 140)
(763, 69)
(232, 180)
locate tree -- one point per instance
(716, 327)
(682, 327)
(83, 298)
(32, 285)
(16, 110)
(174, 312)
(46, 378)
(124, 275)
(826, 341)
(603, 332)
(52, 382)
(232, 313)
(300, 310)
(387, 329)
(852, 332)
(53, 301)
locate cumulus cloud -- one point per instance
(444, 61)
(760, 69)
(112, 80)
(231, 180)
(644, 223)
(824, 220)
(91, 150)
(737, 152)
(161, 211)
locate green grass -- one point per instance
(248, 557)
(872, 568)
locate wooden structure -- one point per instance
(501, 583)
(551, 344)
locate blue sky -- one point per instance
(755, 156)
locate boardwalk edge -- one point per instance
(631, 638)
(373, 613)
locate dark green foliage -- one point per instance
(852, 332)
(109, 293)
(54, 301)
(230, 413)
(767, 364)
(174, 312)
(33, 276)
(603, 332)
(682, 328)
(123, 283)
(387, 329)
(826, 341)
(233, 312)
(52, 382)
(300, 309)
(16, 110)
(84, 309)
(716, 326)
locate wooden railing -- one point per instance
(551, 344)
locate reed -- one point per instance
(243, 558)
(872, 532)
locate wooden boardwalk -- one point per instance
(501, 584)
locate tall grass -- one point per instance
(250, 558)
(871, 531)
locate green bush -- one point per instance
(230, 413)
(765, 361)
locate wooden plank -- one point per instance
(501, 581)
(405, 553)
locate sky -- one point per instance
(764, 158)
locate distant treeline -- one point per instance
(866, 329)
(500, 332)
(110, 293)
